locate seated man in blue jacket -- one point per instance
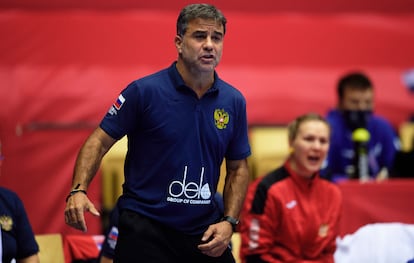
(354, 111)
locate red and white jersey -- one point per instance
(288, 218)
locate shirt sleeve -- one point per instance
(111, 237)
(239, 147)
(26, 243)
(258, 227)
(391, 144)
(123, 115)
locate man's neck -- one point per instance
(199, 82)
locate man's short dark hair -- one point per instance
(204, 11)
(356, 80)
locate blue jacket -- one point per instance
(382, 146)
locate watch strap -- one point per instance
(233, 221)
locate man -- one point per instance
(181, 123)
(17, 240)
(352, 118)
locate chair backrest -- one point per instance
(406, 132)
(269, 146)
(50, 248)
(113, 173)
(235, 243)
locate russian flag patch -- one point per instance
(119, 102)
(113, 235)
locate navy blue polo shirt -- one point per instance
(16, 233)
(176, 144)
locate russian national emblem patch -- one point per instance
(6, 223)
(221, 118)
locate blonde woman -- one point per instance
(291, 214)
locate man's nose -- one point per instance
(208, 44)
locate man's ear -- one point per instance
(178, 41)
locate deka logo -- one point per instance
(189, 192)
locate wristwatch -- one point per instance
(233, 221)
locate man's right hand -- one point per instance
(76, 205)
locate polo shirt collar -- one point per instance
(178, 81)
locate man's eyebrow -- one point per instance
(206, 31)
(199, 31)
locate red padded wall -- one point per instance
(61, 69)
